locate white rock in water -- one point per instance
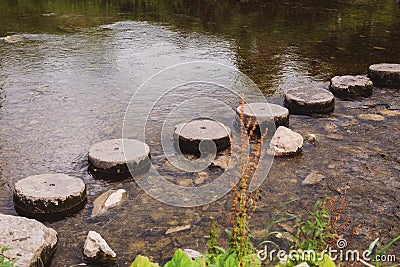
(193, 254)
(96, 248)
(31, 242)
(285, 142)
(13, 39)
(108, 200)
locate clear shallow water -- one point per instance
(67, 84)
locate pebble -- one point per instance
(178, 229)
(371, 117)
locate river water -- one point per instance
(67, 82)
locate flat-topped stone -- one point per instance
(119, 156)
(30, 241)
(49, 196)
(385, 74)
(255, 114)
(190, 135)
(351, 86)
(309, 100)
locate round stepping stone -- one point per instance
(351, 86)
(309, 100)
(116, 158)
(49, 197)
(190, 135)
(385, 74)
(254, 113)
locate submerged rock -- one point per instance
(97, 250)
(178, 229)
(313, 178)
(371, 117)
(108, 200)
(285, 142)
(31, 242)
(13, 39)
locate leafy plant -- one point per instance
(141, 261)
(316, 232)
(4, 260)
(244, 202)
(319, 260)
(213, 249)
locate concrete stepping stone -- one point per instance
(190, 135)
(117, 159)
(285, 142)
(262, 113)
(307, 100)
(49, 197)
(351, 86)
(385, 74)
(30, 241)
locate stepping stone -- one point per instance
(190, 135)
(351, 86)
(385, 74)
(262, 113)
(30, 241)
(285, 142)
(117, 159)
(307, 100)
(49, 197)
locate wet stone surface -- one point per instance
(351, 86)
(385, 74)
(263, 113)
(49, 196)
(309, 100)
(31, 242)
(193, 136)
(116, 159)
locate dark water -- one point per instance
(67, 81)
